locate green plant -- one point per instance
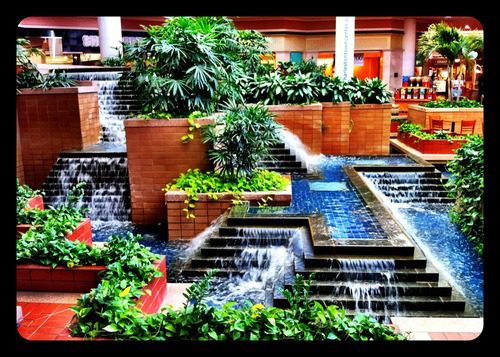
(466, 186)
(24, 193)
(194, 182)
(241, 138)
(56, 79)
(154, 115)
(188, 64)
(192, 126)
(462, 103)
(368, 91)
(28, 76)
(109, 311)
(450, 43)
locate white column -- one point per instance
(409, 38)
(344, 47)
(110, 36)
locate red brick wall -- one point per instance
(90, 125)
(19, 156)
(156, 156)
(371, 126)
(336, 128)
(53, 121)
(305, 121)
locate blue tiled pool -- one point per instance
(446, 246)
(335, 198)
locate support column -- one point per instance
(409, 38)
(344, 47)
(110, 36)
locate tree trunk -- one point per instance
(450, 76)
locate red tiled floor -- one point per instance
(453, 336)
(45, 321)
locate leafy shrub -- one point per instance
(29, 75)
(194, 182)
(24, 193)
(368, 91)
(466, 186)
(59, 221)
(187, 64)
(241, 138)
(101, 313)
(416, 130)
(462, 103)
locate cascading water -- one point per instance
(404, 187)
(117, 101)
(107, 193)
(297, 148)
(264, 266)
(381, 284)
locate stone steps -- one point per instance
(401, 288)
(407, 275)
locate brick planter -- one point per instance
(335, 128)
(305, 121)
(434, 146)
(33, 277)
(82, 232)
(207, 210)
(150, 304)
(370, 129)
(421, 115)
(52, 121)
(156, 155)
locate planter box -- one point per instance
(420, 115)
(82, 232)
(53, 121)
(370, 129)
(305, 121)
(207, 210)
(150, 304)
(33, 277)
(335, 128)
(156, 155)
(434, 146)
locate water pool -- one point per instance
(336, 199)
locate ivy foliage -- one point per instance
(466, 186)
(194, 182)
(100, 314)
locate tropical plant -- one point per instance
(450, 43)
(194, 182)
(241, 139)
(466, 186)
(28, 76)
(188, 64)
(368, 91)
(56, 79)
(24, 193)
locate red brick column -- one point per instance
(19, 156)
(371, 126)
(305, 121)
(336, 119)
(52, 121)
(156, 155)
